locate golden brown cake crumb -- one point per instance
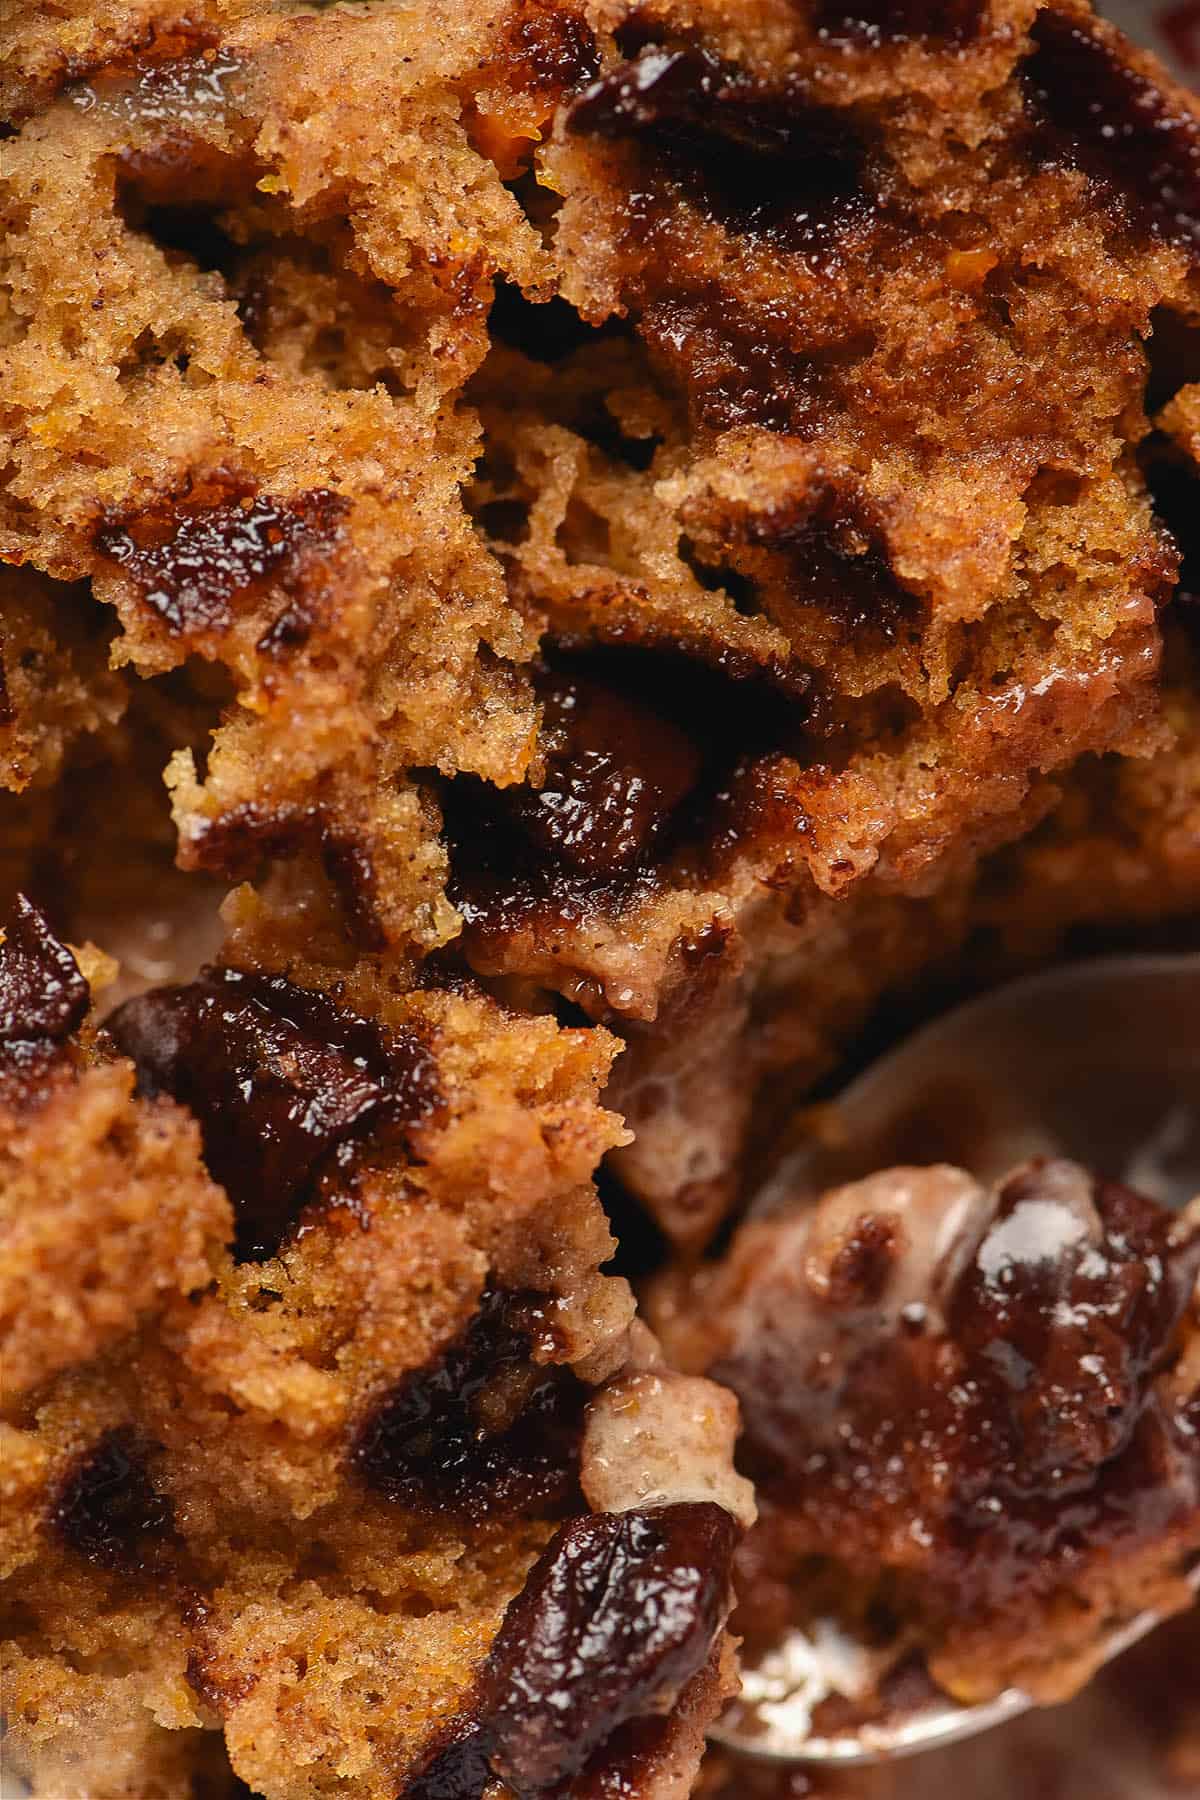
(825, 506)
(297, 1465)
(554, 555)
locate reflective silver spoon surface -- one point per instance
(1099, 1061)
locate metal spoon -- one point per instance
(1099, 1061)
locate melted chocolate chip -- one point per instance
(616, 771)
(191, 564)
(280, 1079)
(838, 562)
(108, 1508)
(762, 159)
(616, 1616)
(457, 1769)
(238, 841)
(351, 868)
(7, 710)
(876, 22)
(733, 360)
(1098, 114)
(764, 162)
(1006, 1419)
(625, 1768)
(43, 996)
(555, 46)
(481, 1429)
(644, 750)
(1065, 1312)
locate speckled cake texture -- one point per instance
(553, 554)
(300, 1461)
(658, 485)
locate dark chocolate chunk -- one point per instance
(107, 1508)
(761, 158)
(7, 710)
(1066, 1310)
(615, 773)
(481, 1429)
(555, 46)
(641, 746)
(191, 564)
(837, 560)
(1096, 113)
(616, 1616)
(457, 1770)
(877, 22)
(43, 996)
(279, 1079)
(734, 360)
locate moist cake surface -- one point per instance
(701, 512)
(553, 555)
(970, 1416)
(348, 1461)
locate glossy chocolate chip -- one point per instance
(481, 1429)
(279, 1079)
(190, 564)
(108, 1510)
(643, 749)
(43, 996)
(1065, 1312)
(616, 1616)
(553, 45)
(761, 158)
(838, 561)
(874, 23)
(1095, 112)
(1009, 1406)
(615, 773)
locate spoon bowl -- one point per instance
(1097, 1061)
